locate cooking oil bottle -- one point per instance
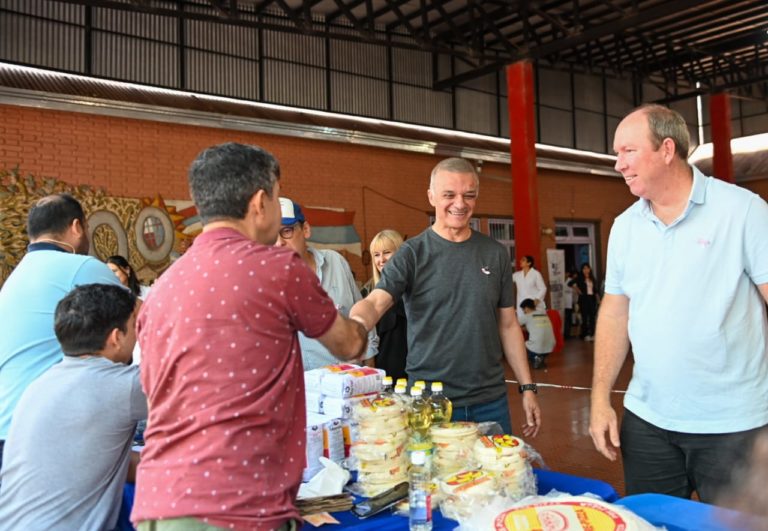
(442, 408)
(419, 415)
(386, 391)
(401, 393)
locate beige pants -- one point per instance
(193, 524)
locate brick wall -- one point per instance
(386, 188)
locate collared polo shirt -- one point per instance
(697, 322)
(337, 280)
(222, 372)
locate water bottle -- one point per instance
(442, 408)
(419, 494)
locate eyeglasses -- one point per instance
(286, 232)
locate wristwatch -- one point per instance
(528, 387)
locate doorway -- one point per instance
(577, 240)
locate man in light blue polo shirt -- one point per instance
(57, 260)
(686, 286)
(335, 278)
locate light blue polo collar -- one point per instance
(697, 197)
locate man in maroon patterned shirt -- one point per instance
(221, 361)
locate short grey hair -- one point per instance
(663, 123)
(454, 165)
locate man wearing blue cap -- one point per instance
(335, 277)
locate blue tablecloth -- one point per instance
(679, 514)
(546, 481)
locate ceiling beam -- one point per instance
(632, 19)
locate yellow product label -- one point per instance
(557, 516)
(383, 402)
(467, 476)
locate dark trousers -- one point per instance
(674, 463)
(588, 309)
(568, 323)
(494, 411)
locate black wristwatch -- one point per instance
(528, 387)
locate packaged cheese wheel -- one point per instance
(569, 512)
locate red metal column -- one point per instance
(720, 118)
(522, 132)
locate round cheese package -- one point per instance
(453, 446)
(506, 458)
(553, 513)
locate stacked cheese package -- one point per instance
(453, 446)
(505, 457)
(331, 393)
(378, 447)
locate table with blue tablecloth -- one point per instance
(546, 480)
(679, 514)
(676, 514)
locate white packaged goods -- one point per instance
(314, 402)
(379, 432)
(352, 382)
(342, 407)
(314, 449)
(454, 442)
(313, 378)
(505, 457)
(333, 436)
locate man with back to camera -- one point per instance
(56, 261)
(68, 453)
(221, 359)
(335, 278)
(457, 288)
(689, 263)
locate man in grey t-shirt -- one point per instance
(68, 452)
(457, 287)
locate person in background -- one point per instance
(589, 299)
(541, 337)
(56, 261)
(222, 365)
(393, 326)
(335, 277)
(127, 276)
(529, 284)
(68, 452)
(570, 298)
(457, 287)
(686, 286)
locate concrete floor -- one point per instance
(564, 440)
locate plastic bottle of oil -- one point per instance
(386, 390)
(401, 393)
(442, 408)
(419, 415)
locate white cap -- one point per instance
(437, 386)
(415, 391)
(387, 380)
(418, 457)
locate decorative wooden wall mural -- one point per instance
(149, 232)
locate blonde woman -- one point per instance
(392, 330)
